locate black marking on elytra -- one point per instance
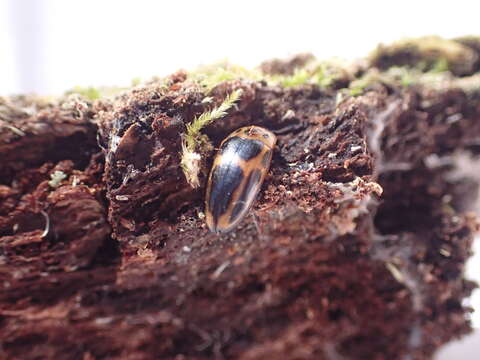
(242, 202)
(225, 179)
(236, 211)
(246, 149)
(252, 180)
(267, 157)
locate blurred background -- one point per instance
(49, 46)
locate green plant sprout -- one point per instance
(193, 140)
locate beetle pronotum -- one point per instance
(237, 174)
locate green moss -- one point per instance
(94, 93)
(195, 144)
(358, 89)
(404, 77)
(323, 74)
(440, 65)
(405, 62)
(299, 77)
(89, 92)
(136, 81)
(394, 76)
(193, 129)
(358, 86)
(429, 53)
(209, 76)
(401, 61)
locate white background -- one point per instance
(50, 46)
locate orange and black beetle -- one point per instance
(237, 174)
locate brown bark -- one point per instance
(355, 247)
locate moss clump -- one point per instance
(324, 74)
(441, 65)
(401, 76)
(404, 77)
(425, 61)
(89, 92)
(194, 143)
(95, 93)
(426, 54)
(299, 77)
(405, 62)
(209, 76)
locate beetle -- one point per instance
(237, 174)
